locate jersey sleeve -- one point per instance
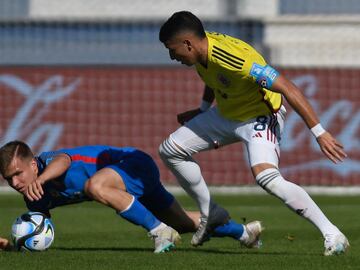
(47, 157)
(252, 61)
(71, 152)
(258, 71)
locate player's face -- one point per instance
(180, 49)
(20, 173)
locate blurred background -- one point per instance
(78, 72)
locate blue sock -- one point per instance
(139, 215)
(231, 229)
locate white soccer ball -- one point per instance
(32, 231)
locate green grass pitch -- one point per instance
(90, 236)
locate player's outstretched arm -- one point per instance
(207, 100)
(328, 144)
(56, 168)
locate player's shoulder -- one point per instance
(229, 43)
(232, 53)
(87, 150)
(46, 157)
(222, 37)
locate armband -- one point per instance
(264, 75)
(317, 130)
(205, 105)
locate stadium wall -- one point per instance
(317, 41)
(43, 42)
(288, 41)
(57, 107)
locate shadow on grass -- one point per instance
(96, 249)
(181, 250)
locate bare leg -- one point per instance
(179, 219)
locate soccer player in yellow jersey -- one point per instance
(248, 94)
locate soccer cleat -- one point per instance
(217, 217)
(253, 230)
(335, 244)
(165, 239)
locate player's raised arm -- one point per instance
(207, 100)
(328, 144)
(56, 168)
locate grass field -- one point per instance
(90, 236)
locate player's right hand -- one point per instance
(184, 117)
(34, 191)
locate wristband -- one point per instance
(317, 130)
(205, 105)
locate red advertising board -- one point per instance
(57, 107)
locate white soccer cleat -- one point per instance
(165, 239)
(253, 230)
(202, 234)
(217, 217)
(335, 244)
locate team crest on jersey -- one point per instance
(223, 80)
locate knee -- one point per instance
(169, 150)
(163, 152)
(268, 179)
(94, 189)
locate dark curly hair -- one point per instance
(181, 21)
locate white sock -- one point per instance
(295, 198)
(245, 235)
(189, 177)
(159, 227)
(188, 174)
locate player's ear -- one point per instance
(188, 44)
(33, 165)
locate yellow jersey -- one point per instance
(228, 72)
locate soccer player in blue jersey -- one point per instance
(125, 179)
(249, 95)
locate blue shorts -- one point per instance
(141, 177)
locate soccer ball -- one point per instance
(32, 231)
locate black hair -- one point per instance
(180, 22)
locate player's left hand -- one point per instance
(34, 191)
(331, 147)
(5, 244)
(184, 117)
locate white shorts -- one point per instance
(209, 130)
